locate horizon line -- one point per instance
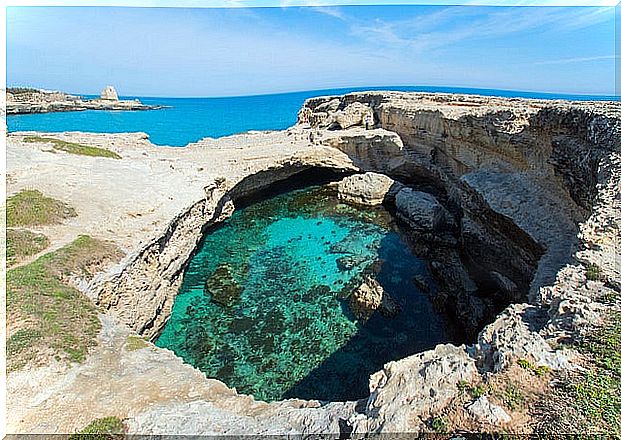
(354, 89)
(306, 3)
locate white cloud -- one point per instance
(577, 60)
(455, 24)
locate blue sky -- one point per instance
(240, 51)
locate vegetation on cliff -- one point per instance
(32, 208)
(47, 316)
(73, 147)
(105, 428)
(22, 243)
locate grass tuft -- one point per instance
(475, 391)
(135, 343)
(31, 208)
(74, 148)
(513, 397)
(46, 316)
(21, 243)
(598, 393)
(593, 272)
(439, 425)
(106, 428)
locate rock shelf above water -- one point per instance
(24, 101)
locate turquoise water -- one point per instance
(264, 302)
(191, 119)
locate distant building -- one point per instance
(109, 94)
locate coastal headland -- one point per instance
(515, 203)
(28, 100)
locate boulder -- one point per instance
(409, 390)
(485, 411)
(369, 297)
(109, 94)
(368, 189)
(422, 211)
(510, 337)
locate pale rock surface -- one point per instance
(109, 93)
(511, 337)
(421, 210)
(369, 189)
(354, 114)
(407, 391)
(485, 411)
(375, 150)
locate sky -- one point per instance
(242, 51)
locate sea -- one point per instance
(187, 120)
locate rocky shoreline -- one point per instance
(511, 200)
(21, 101)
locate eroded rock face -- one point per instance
(109, 93)
(408, 391)
(375, 150)
(368, 189)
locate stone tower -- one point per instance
(109, 93)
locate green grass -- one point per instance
(439, 425)
(53, 318)
(540, 370)
(21, 243)
(135, 343)
(74, 148)
(101, 429)
(526, 364)
(31, 208)
(513, 397)
(475, 391)
(593, 272)
(598, 393)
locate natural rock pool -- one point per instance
(264, 305)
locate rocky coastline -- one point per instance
(25, 101)
(512, 201)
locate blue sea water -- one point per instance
(191, 119)
(264, 302)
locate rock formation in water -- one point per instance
(370, 297)
(532, 186)
(25, 100)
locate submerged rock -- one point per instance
(369, 297)
(368, 189)
(222, 287)
(421, 283)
